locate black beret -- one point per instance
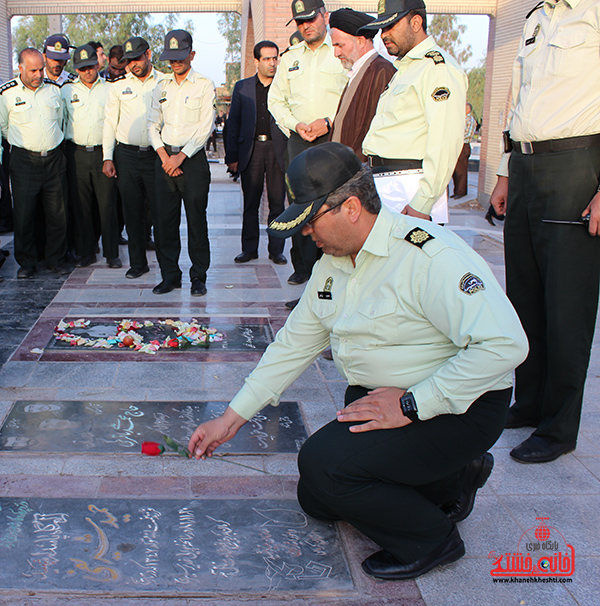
(349, 21)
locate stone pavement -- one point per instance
(236, 490)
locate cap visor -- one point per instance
(294, 218)
(85, 64)
(133, 55)
(303, 17)
(175, 55)
(58, 56)
(383, 21)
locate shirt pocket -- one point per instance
(21, 114)
(324, 310)
(572, 52)
(192, 110)
(51, 108)
(380, 320)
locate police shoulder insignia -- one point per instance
(72, 77)
(419, 237)
(48, 81)
(122, 77)
(436, 56)
(470, 284)
(441, 93)
(7, 85)
(535, 8)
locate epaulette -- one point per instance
(8, 85)
(71, 77)
(535, 8)
(436, 56)
(49, 81)
(111, 80)
(419, 237)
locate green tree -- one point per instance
(476, 90)
(230, 27)
(446, 31)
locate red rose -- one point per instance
(173, 343)
(152, 449)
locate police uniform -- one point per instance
(125, 138)
(553, 270)
(88, 185)
(65, 76)
(181, 120)
(31, 122)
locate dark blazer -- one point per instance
(241, 127)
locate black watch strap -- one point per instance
(409, 406)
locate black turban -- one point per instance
(349, 21)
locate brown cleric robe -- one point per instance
(359, 101)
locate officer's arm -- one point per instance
(206, 124)
(155, 121)
(277, 101)
(111, 118)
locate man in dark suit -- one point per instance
(256, 147)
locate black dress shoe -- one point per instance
(278, 259)
(86, 261)
(198, 288)
(478, 471)
(166, 286)
(123, 241)
(297, 278)
(150, 245)
(114, 263)
(136, 272)
(383, 565)
(291, 304)
(25, 272)
(513, 421)
(538, 449)
(245, 257)
(60, 269)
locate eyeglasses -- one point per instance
(319, 215)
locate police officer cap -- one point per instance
(84, 56)
(305, 10)
(178, 45)
(310, 178)
(295, 38)
(390, 11)
(350, 21)
(134, 48)
(56, 47)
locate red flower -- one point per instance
(152, 449)
(173, 343)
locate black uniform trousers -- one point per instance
(552, 279)
(35, 177)
(262, 162)
(390, 483)
(192, 186)
(136, 180)
(91, 191)
(304, 252)
(460, 177)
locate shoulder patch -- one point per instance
(436, 56)
(116, 79)
(71, 77)
(48, 81)
(419, 237)
(470, 284)
(535, 8)
(441, 93)
(7, 85)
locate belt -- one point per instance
(555, 145)
(35, 154)
(173, 149)
(87, 148)
(138, 148)
(395, 164)
(262, 137)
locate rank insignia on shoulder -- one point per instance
(326, 292)
(419, 237)
(470, 284)
(73, 77)
(436, 56)
(7, 85)
(122, 77)
(48, 81)
(441, 93)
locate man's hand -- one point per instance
(108, 168)
(593, 210)
(233, 167)
(318, 128)
(304, 131)
(171, 164)
(411, 212)
(499, 196)
(213, 433)
(380, 409)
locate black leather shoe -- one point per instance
(166, 286)
(278, 259)
(297, 278)
(85, 261)
(114, 263)
(478, 471)
(538, 449)
(136, 272)
(245, 257)
(513, 421)
(150, 245)
(61, 270)
(383, 565)
(25, 272)
(198, 288)
(123, 241)
(291, 304)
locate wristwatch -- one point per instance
(409, 406)
(328, 123)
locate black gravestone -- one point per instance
(121, 427)
(137, 547)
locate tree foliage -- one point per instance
(476, 89)
(230, 27)
(446, 31)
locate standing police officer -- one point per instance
(126, 127)
(181, 120)
(31, 118)
(83, 103)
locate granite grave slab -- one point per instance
(188, 547)
(121, 427)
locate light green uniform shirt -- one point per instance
(126, 112)
(31, 119)
(182, 115)
(555, 92)
(427, 316)
(83, 110)
(307, 86)
(421, 116)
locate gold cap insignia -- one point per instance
(299, 7)
(128, 47)
(174, 43)
(83, 55)
(58, 46)
(381, 7)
